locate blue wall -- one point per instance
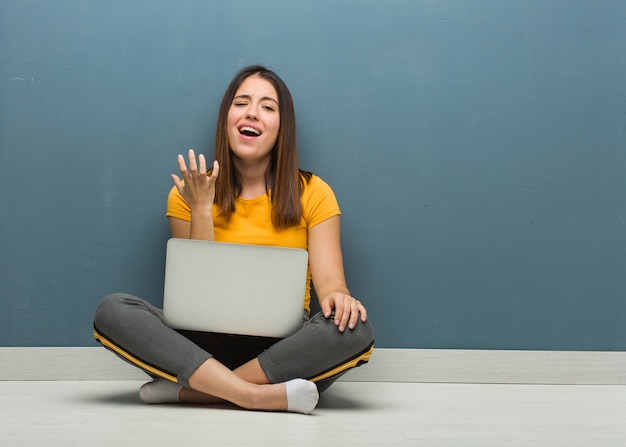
(477, 148)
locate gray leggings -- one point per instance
(134, 329)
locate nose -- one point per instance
(251, 113)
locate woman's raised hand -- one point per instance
(198, 188)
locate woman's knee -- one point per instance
(110, 309)
(363, 334)
(366, 331)
(359, 338)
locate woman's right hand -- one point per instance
(198, 188)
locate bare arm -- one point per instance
(199, 192)
(326, 262)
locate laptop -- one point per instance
(234, 288)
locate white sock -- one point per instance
(302, 396)
(160, 391)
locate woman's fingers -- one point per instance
(202, 164)
(347, 310)
(182, 167)
(198, 188)
(193, 167)
(215, 171)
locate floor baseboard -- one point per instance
(386, 365)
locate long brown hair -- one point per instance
(283, 179)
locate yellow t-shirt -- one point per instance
(251, 223)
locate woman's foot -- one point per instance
(302, 396)
(160, 391)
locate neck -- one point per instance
(252, 178)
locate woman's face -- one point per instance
(253, 120)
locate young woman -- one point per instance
(254, 193)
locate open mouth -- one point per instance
(249, 131)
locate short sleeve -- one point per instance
(177, 206)
(319, 202)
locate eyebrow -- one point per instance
(264, 98)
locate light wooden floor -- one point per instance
(109, 413)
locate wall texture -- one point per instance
(477, 148)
